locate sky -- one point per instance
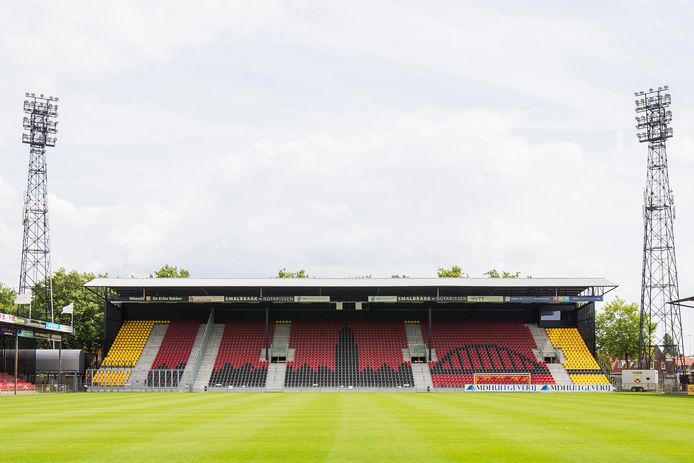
(347, 138)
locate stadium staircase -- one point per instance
(276, 372)
(416, 352)
(208, 358)
(149, 353)
(187, 379)
(546, 349)
(280, 355)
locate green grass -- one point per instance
(171, 427)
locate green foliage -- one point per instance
(68, 287)
(362, 276)
(451, 272)
(169, 271)
(617, 329)
(669, 346)
(494, 273)
(7, 296)
(284, 273)
(400, 276)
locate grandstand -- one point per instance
(350, 334)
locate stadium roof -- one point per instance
(350, 282)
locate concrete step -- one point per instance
(276, 373)
(422, 377)
(209, 357)
(559, 373)
(187, 378)
(149, 353)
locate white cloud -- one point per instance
(365, 138)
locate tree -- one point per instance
(284, 273)
(617, 329)
(169, 271)
(494, 273)
(669, 346)
(7, 296)
(453, 272)
(68, 287)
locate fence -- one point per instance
(128, 379)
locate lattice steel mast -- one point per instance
(660, 321)
(35, 275)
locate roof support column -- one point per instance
(267, 334)
(429, 334)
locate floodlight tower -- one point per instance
(660, 321)
(35, 275)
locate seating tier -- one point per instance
(176, 346)
(348, 354)
(502, 348)
(239, 362)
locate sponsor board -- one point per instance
(311, 298)
(690, 389)
(379, 299)
(552, 299)
(205, 298)
(9, 331)
(167, 298)
(5, 317)
(485, 298)
(538, 388)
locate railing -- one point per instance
(121, 379)
(163, 379)
(201, 350)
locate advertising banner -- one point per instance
(690, 389)
(8, 331)
(485, 298)
(538, 388)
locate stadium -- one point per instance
(349, 334)
(390, 150)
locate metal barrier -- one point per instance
(121, 379)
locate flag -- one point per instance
(67, 309)
(23, 299)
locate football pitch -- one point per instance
(355, 427)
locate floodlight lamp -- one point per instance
(26, 94)
(666, 87)
(650, 89)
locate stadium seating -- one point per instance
(176, 346)
(501, 348)
(111, 378)
(173, 354)
(7, 383)
(239, 362)
(579, 362)
(129, 342)
(354, 354)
